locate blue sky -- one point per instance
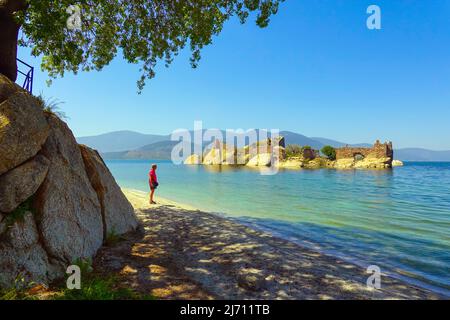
(316, 70)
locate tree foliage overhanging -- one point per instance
(144, 31)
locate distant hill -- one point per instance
(337, 144)
(417, 154)
(156, 151)
(120, 141)
(296, 138)
(134, 145)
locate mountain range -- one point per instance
(135, 145)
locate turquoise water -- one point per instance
(397, 219)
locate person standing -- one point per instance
(153, 182)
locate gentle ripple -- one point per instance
(397, 219)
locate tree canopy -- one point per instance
(329, 152)
(144, 31)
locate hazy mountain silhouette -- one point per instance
(121, 141)
(135, 145)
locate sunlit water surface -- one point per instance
(397, 219)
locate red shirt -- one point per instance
(152, 176)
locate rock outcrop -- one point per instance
(260, 160)
(273, 153)
(292, 163)
(58, 200)
(117, 212)
(374, 163)
(220, 154)
(19, 184)
(259, 154)
(397, 163)
(23, 129)
(21, 254)
(377, 157)
(69, 212)
(193, 159)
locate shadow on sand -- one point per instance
(181, 254)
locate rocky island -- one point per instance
(276, 153)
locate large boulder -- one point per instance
(19, 184)
(374, 163)
(21, 254)
(260, 160)
(220, 153)
(56, 205)
(292, 163)
(69, 212)
(7, 88)
(214, 156)
(23, 129)
(118, 214)
(397, 163)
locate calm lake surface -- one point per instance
(397, 219)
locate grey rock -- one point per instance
(7, 88)
(21, 255)
(69, 213)
(118, 214)
(19, 184)
(23, 130)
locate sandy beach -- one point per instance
(183, 253)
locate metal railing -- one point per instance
(28, 74)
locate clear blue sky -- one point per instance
(316, 70)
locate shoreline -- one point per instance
(327, 276)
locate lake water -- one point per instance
(396, 219)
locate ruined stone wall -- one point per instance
(379, 150)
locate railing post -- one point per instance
(29, 76)
(32, 77)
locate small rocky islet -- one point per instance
(275, 153)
